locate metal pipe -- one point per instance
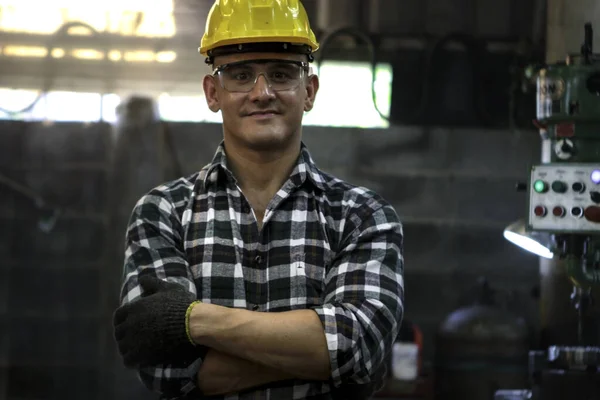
(581, 273)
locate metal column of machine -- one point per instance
(563, 220)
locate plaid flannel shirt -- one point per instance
(325, 245)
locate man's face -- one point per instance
(262, 103)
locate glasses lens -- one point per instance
(243, 77)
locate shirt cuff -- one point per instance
(327, 314)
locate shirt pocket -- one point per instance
(308, 281)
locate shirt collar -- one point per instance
(305, 167)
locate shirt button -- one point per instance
(255, 307)
(258, 259)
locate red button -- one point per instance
(592, 214)
(539, 211)
(558, 211)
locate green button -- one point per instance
(559, 187)
(540, 186)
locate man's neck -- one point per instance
(261, 174)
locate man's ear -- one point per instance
(312, 87)
(210, 92)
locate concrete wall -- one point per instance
(454, 190)
(52, 293)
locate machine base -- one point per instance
(560, 373)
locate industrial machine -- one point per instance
(480, 348)
(563, 218)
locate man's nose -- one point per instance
(262, 88)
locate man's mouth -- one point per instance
(266, 114)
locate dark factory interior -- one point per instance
(464, 131)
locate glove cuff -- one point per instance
(187, 322)
(175, 324)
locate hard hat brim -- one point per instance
(294, 41)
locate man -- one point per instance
(261, 276)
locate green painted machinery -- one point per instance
(564, 191)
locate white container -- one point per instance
(405, 361)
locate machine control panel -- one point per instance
(565, 198)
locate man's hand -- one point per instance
(151, 330)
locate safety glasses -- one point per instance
(281, 75)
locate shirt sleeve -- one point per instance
(154, 246)
(364, 295)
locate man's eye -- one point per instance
(242, 76)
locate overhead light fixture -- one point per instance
(539, 243)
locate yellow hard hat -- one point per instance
(239, 24)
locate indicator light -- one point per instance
(559, 187)
(541, 186)
(578, 187)
(539, 211)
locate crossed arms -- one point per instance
(342, 341)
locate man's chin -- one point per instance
(265, 141)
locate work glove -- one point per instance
(152, 330)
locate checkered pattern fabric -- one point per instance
(324, 245)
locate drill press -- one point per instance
(564, 206)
